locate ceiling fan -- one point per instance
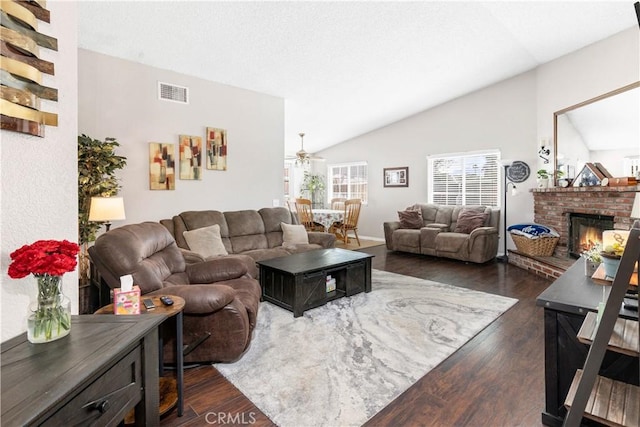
(302, 157)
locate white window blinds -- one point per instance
(464, 179)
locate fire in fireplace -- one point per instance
(585, 231)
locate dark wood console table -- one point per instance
(566, 303)
(105, 367)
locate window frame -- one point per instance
(492, 157)
(349, 184)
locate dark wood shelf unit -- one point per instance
(567, 302)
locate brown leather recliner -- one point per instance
(221, 298)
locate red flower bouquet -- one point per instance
(47, 260)
(52, 257)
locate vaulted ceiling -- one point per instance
(347, 68)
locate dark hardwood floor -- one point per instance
(496, 379)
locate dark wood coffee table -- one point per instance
(298, 282)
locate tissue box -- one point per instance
(126, 302)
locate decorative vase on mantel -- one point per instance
(50, 317)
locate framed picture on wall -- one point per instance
(396, 177)
(216, 149)
(190, 157)
(162, 166)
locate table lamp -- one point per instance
(106, 209)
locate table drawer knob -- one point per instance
(103, 406)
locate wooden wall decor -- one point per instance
(21, 67)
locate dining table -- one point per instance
(327, 217)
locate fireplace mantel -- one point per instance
(617, 189)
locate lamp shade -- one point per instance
(106, 209)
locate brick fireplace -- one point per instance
(553, 207)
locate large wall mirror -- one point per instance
(605, 129)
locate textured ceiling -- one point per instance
(346, 68)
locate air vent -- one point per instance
(169, 92)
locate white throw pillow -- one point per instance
(205, 241)
(294, 235)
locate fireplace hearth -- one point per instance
(585, 231)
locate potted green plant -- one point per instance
(313, 187)
(97, 167)
(543, 176)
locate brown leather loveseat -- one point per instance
(221, 298)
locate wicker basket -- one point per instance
(542, 246)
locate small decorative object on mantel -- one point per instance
(590, 176)
(22, 68)
(47, 260)
(543, 177)
(622, 181)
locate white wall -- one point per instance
(502, 116)
(512, 116)
(39, 176)
(585, 74)
(118, 98)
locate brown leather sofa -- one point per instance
(438, 233)
(256, 234)
(222, 299)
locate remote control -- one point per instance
(166, 300)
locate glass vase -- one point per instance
(50, 317)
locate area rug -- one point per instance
(340, 364)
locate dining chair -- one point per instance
(305, 215)
(349, 221)
(337, 203)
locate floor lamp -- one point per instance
(507, 184)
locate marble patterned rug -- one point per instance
(340, 364)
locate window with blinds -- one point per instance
(465, 179)
(349, 180)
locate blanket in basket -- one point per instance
(533, 231)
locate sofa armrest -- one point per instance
(483, 244)
(191, 257)
(478, 233)
(216, 270)
(389, 227)
(200, 299)
(483, 231)
(326, 240)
